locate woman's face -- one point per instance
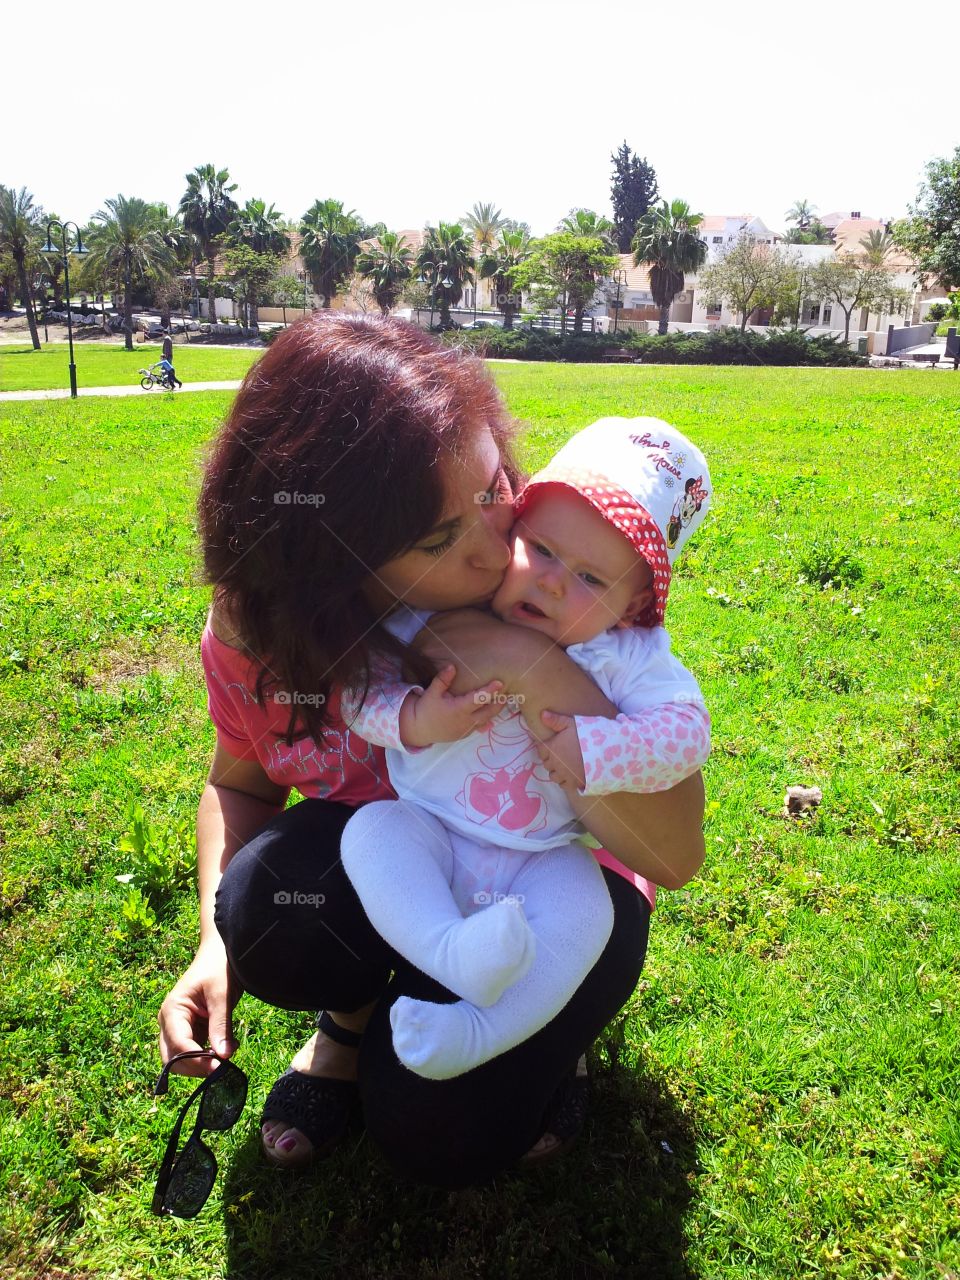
(462, 561)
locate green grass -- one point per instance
(780, 1098)
(109, 365)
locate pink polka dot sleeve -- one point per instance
(377, 719)
(650, 750)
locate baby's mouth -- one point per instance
(530, 610)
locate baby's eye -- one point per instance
(591, 580)
(541, 550)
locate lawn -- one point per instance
(780, 1097)
(109, 365)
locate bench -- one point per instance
(932, 357)
(619, 354)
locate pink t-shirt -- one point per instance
(345, 767)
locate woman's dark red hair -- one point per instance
(327, 467)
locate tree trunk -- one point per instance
(743, 325)
(508, 310)
(57, 285)
(27, 302)
(664, 319)
(127, 309)
(444, 306)
(211, 293)
(165, 313)
(194, 291)
(578, 319)
(253, 317)
(846, 327)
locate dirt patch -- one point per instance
(167, 655)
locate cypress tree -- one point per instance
(632, 192)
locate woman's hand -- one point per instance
(199, 1008)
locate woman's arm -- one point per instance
(660, 835)
(237, 801)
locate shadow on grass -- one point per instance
(613, 1206)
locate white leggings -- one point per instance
(512, 932)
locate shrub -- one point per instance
(938, 311)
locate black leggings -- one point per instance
(298, 938)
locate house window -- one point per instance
(827, 312)
(714, 308)
(718, 239)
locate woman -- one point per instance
(363, 464)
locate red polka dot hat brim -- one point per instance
(626, 515)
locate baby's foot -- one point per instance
(439, 1041)
(482, 955)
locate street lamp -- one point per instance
(302, 277)
(64, 251)
(619, 278)
(445, 283)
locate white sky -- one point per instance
(737, 110)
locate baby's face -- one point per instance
(571, 575)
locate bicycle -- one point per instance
(154, 378)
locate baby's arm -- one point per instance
(408, 717)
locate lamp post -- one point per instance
(446, 283)
(619, 278)
(302, 277)
(64, 251)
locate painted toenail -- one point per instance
(287, 1143)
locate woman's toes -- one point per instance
(280, 1138)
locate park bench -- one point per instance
(620, 354)
(931, 357)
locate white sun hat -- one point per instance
(646, 478)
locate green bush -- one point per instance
(938, 311)
(720, 346)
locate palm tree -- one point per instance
(388, 265)
(260, 228)
(801, 214)
(330, 245)
(127, 242)
(590, 226)
(666, 240)
(20, 237)
(445, 254)
(498, 264)
(207, 209)
(483, 222)
(877, 245)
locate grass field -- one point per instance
(109, 365)
(780, 1098)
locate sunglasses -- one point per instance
(187, 1176)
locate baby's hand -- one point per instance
(561, 754)
(436, 715)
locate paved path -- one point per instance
(136, 390)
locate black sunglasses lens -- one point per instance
(191, 1181)
(222, 1103)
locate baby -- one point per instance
(452, 874)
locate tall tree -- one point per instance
(259, 228)
(251, 274)
(877, 246)
(500, 264)
(207, 209)
(850, 281)
(813, 233)
(483, 222)
(20, 235)
(446, 255)
(632, 191)
(591, 226)
(126, 242)
(801, 213)
(931, 235)
(668, 242)
(567, 268)
(748, 275)
(387, 264)
(330, 245)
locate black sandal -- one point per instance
(565, 1115)
(318, 1106)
